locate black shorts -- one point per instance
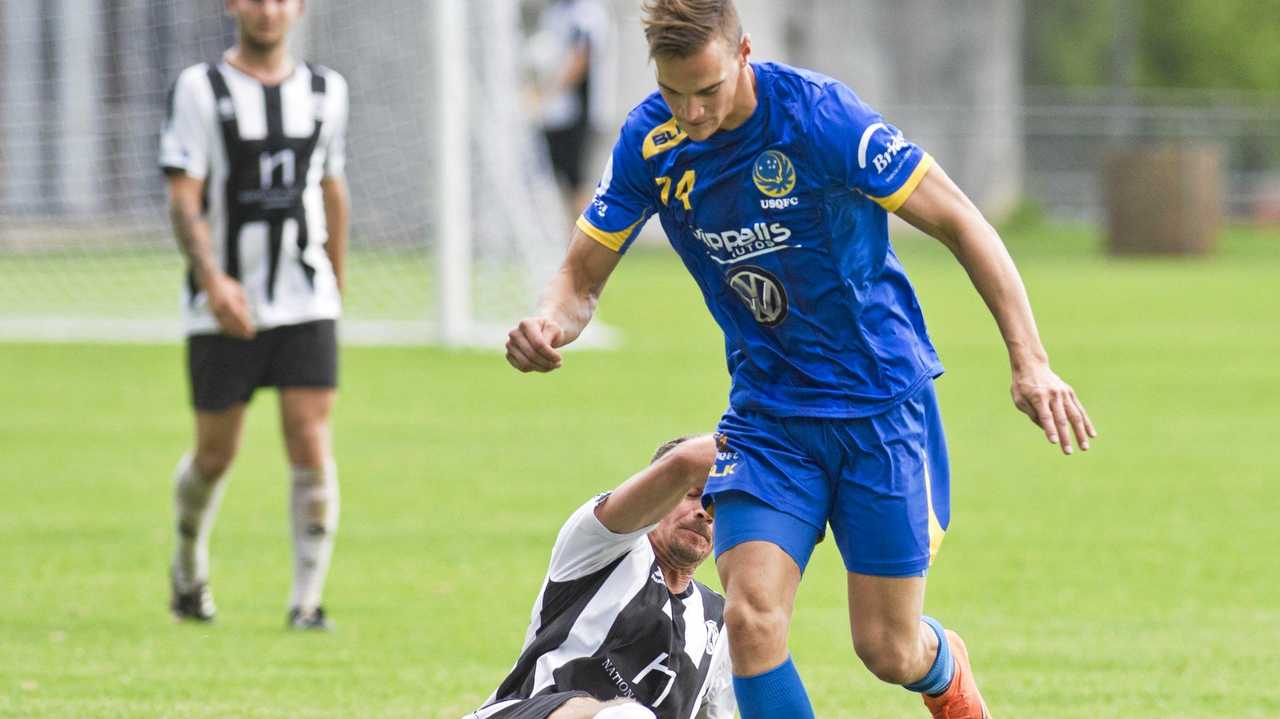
(539, 707)
(568, 149)
(225, 371)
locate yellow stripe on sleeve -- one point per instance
(894, 201)
(612, 240)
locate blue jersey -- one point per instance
(783, 223)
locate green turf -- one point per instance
(393, 284)
(1136, 581)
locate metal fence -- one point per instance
(1068, 134)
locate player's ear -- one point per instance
(744, 49)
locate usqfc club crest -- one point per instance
(762, 293)
(774, 174)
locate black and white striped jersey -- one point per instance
(606, 623)
(262, 150)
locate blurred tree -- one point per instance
(1189, 43)
(1068, 42)
(1211, 43)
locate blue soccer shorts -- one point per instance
(881, 482)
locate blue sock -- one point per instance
(776, 693)
(939, 676)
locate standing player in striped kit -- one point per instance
(253, 151)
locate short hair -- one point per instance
(680, 28)
(669, 445)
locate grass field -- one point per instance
(1139, 580)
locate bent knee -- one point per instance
(890, 659)
(213, 461)
(307, 445)
(756, 626)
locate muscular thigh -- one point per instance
(304, 366)
(304, 419)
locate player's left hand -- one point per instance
(1053, 406)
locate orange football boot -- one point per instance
(961, 700)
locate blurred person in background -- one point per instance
(574, 60)
(253, 150)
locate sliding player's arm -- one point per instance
(605, 528)
(565, 308)
(226, 296)
(337, 214)
(940, 209)
(650, 494)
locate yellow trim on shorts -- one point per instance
(612, 240)
(936, 532)
(895, 201)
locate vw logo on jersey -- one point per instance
(774, 174)
(762, 293)
(713, 636)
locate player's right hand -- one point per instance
(531, 346)
(229, 306)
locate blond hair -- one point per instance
(680, 28)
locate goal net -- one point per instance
(456, 219)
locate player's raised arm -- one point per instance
(940, 209)
(566, 306)
(651, 493)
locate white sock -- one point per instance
(314, 508)
(195, 503)
(625, 711)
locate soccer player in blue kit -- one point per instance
(773, 185)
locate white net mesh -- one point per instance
(85, 246)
